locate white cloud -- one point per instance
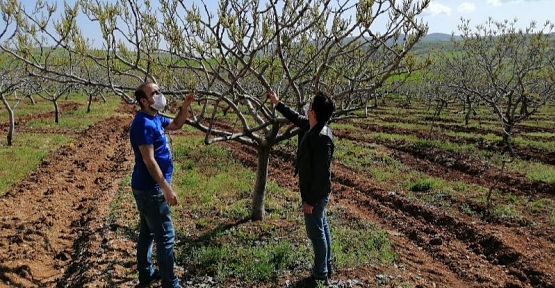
(494, 2)
(437, 9)
(498, 3)
(466, 7)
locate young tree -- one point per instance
(11, 78)
(12, 73)
(231, 57)
(52, 91)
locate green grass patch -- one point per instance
(422, 185)
(446, 145)
(260, 263)
(353, 246)
(369, 158)
(551, 218)
(540, 206)
(114, 212)
(76, 119)
(534, 171)
(390, 137)
(25, 107)
(484, 138)
(343, 126)
(506, 211)
(382, 174)
(210, 178)
(548, 145)
(538, 134)
(26, 153)
(360, 155)
(540, 172)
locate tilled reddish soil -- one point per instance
(54, 214)
(56, 228)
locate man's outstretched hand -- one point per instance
(273, 97)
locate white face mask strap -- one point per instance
(306, 107)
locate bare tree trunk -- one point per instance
(524, 107)
(439, 108)
(57, 112)
(11, 116)
(11, 130)
(89, 104)
(467, 116)
(507, 133)
(259, 192)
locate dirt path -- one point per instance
(52, 217)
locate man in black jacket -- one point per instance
(314, 156)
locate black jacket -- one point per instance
(314, 156)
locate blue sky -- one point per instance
(444, 15)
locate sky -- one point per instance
(443, 16)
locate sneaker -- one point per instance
(153, 278)
(313, 282)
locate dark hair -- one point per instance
(140, 93)
(323, 106)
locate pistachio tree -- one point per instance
(11, 78)
(12, 72)
(509, 69)
(53, 91)
(231, 54)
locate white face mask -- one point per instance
(159, 102)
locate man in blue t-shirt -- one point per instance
(150, 183)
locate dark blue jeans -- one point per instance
(318, 232)
(155, 225)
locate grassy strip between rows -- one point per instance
(76, 119)
(24, 156)
(456, 114)
(533, 170)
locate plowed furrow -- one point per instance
(49, 217)
(476, 252)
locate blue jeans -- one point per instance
(318, 232)
(155, 225)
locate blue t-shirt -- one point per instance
(148, 129)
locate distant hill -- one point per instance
(438, 37)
